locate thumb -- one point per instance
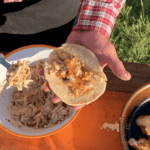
(117, 66)
(118, 69)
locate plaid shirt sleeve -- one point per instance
(99, 15)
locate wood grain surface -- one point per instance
(140, 76)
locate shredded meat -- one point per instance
(141, 144)
(19, 75)
(33, 107)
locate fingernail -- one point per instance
(55, 99)
(126, 76)
(46, 89)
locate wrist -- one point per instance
(97, 37)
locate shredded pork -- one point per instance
(19, 75)
(32, 106)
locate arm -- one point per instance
(99, 15)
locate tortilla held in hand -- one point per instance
(74, 74)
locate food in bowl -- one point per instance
(74, 74)
(144, 123)
(143, 144)
(19, 75)
(31, 106)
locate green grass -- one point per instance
(131, 32)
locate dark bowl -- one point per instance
(136, 98)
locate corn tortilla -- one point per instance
(86, 57)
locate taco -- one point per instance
(74, 74)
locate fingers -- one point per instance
(41, 73)
(78, 107)
(46, 89)
(2, 54)
(118, 69)
(116, 65)
(55, 99)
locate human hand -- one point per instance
(104, 50)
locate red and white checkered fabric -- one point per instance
(99, 15)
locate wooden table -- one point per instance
(85, 132)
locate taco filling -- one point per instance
(73, 73)
(19, 75)
(32, 107)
